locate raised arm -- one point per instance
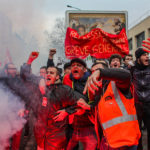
(50, 61)
(122, 78)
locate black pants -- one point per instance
(143, 114)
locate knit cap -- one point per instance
(139, 52)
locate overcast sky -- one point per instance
(30, 18)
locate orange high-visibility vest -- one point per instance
(118, 119)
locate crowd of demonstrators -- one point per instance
(92, 110)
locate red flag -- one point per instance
(97, 43)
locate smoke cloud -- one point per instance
(10, 104)
(22, 27)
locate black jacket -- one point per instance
(50, 63)
(81, 121)
(52, 133)
(141, 81)
(122, 78)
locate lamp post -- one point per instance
(73, 7)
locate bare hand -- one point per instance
(52, 52)
(130, 64)
(79, 111)
(62, 114)
(23, 112)
(81, 102)
(32, 57)
(92, 83)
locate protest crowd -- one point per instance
(104, 107)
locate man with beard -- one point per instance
(141, 80)
(83, 128)
(51, 125)
(10, 70)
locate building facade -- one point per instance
(138, 33)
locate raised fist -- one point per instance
(52, 51)
(33, 56)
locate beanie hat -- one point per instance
(78, 60)
(139, 52)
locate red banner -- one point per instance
(96, 43)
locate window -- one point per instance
(140, 37)
(149, 32)
(130, 44)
